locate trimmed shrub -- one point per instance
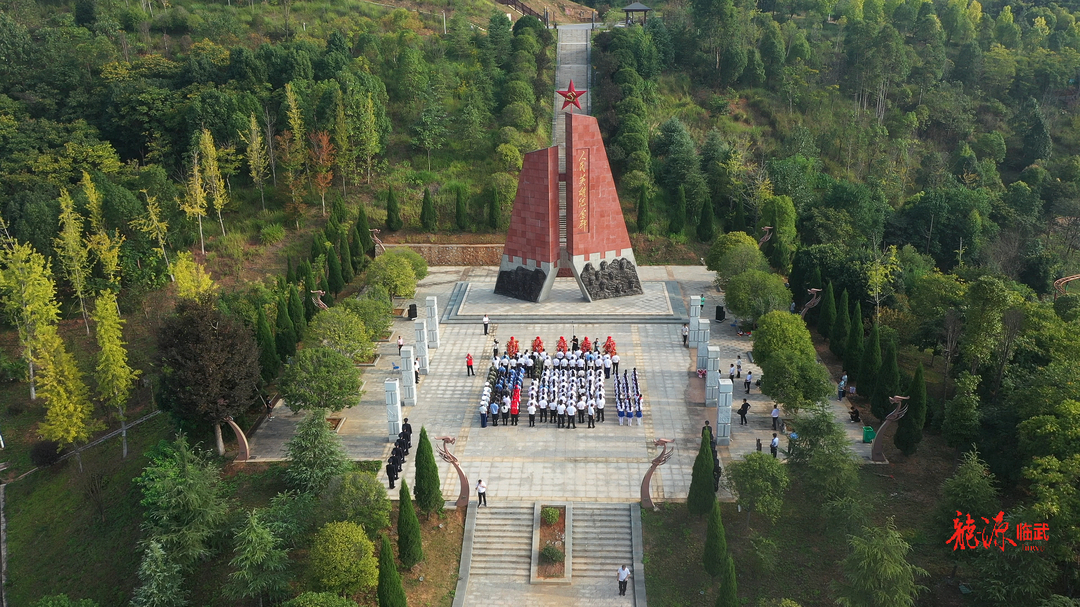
(552, 554)
(550, 516)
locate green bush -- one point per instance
(319, 599)
(549, 515)
(342, 559)
(272, 233)
(552, 554)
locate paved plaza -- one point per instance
(564, 300)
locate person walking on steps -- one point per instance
(481, 493)
(486, 323)
(623, 575)
(468, 365)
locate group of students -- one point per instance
(400, 451)
(564, 389)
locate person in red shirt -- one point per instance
(515, 406)
(468, 365)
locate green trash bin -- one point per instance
(868, 434)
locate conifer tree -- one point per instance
(318, 244)
(909, 431)
(705, 228)
(494, 212)
(643, 216)
(29, 299)
(410, 548)
(285, 340)
(876, 571)
(828, 312)
(115, 377)
(259, 563)
(154, 227)
(702, 495)
(428, 218)
(215, 185)
(840, 326)
(290, 274)
(677, 220)
(257, 157)
(296, 312)
(347, 273)
(871, 363)
(324, 286)
(73, 254)
(160, 580)
(315, 454)
(390, 593)
(427, 486)
(393, 212)
(729, 590)
(853, 348)
(715, 542)
(104, 245)
(363, 234)
(268, 356)
(306, 294)
(194, 203)
(68, 410)
(335, 281)
(738, 220)
(815, 279)
(461, 209)
(886, 384)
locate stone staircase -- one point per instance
(602, 539)
(502, 542)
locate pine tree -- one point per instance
(729, 590)
(887, 383)
(160, 580)
(154, 227)
(815, 279)
(715, 542)
(315, 454)
(296, 312)
(257, 157)
(494, 212)
(290, 274)
(363, 233)
(68, 410)
(853, 348)
(870, 364)
(738, 221)
(194, 204)
(702, 496)
(393, 212)
(215, 185)
(307, 287)
(876, 571)
(259, 563)
(72, 252)
(677, 220)
(705, 228)
(268, 356)
(427, 486)
(390, 593)
(335, 281)
(347, 273)
(285, 340)
(828, 312)
(461, 209)
(410, 548)
(324, 286)
(840, 326)
(29, 298)
(318, 242)
(909, 432)
(115, 377)
(643, 217)
(428, 219)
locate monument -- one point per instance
(581, 230)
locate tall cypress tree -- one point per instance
(290, 274)
(643, 215)
(305, 292)
(677, 220)
(828, 312)
(429, 220)
(285, 340)
(347, 273)
(729, 590)
(909, 433)
(296, 311)
(853, 348)
(410, 549)
(335, 281)
(426, 486)
(840, 326)
(461, 209)
(715, 542)
(738, 220)
(871, 363)
(702, 495)
(268, 356)
(389, 592)
(324, 286)
(317, 244)
(705, 229)
(363, 232)
(393, 212)
(815, 279)
(887, 383)
(494, 213)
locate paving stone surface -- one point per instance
(565, 299)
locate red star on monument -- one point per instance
(571, 96)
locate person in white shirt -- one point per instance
(775, 416)
(562, 414)
(481, 492)
(400, 343)
(774, 446)
(600, 406)
(615, 364)
(532, 413)
(623, 575)
(553, 404)
(607, 366)
(592, 414)
(486, 321)
(543, 409)
(571, 412)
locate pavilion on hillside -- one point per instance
(636, 7)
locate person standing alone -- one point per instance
(486, 322)
(774, 446)
(468, 365)
(775, 416)
(742, 412)
(481, 493)
(400, 343)
(623, 575)
(686, 336)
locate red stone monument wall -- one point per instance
(531, 253)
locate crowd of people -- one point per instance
(399, 452)
(564, 389)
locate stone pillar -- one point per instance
(433, 323)
(704, 329)
(421, 344)
(694, 324)
(723, 412)
(703, 344)
(393, 409)
(408, 378)
(712, 377)
(695, 307)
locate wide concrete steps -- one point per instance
(602, 539)
(502, 542)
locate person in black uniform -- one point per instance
(401, 445)
(574, 344)
(403, 439)
(399, 454)
(406, 429)
(392, 470)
